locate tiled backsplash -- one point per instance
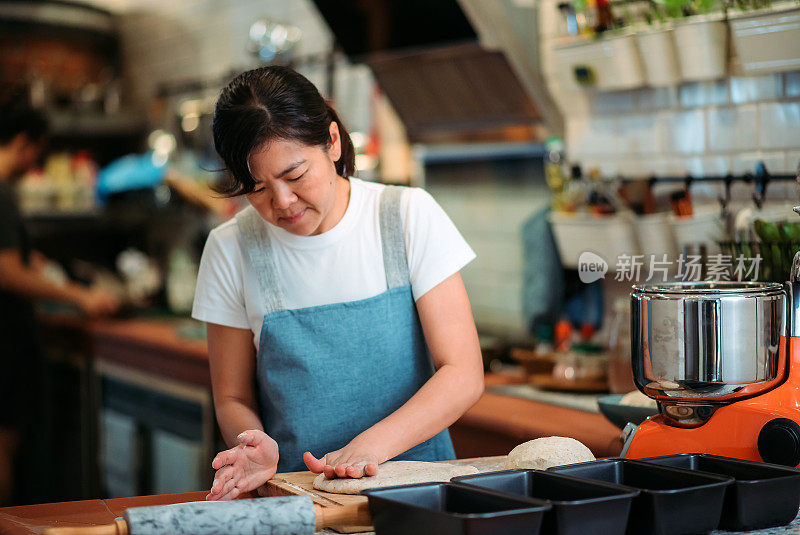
(702, 128)
(489, 201)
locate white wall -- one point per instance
(488, 204)
(200, 39)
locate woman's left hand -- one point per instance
(351, 461)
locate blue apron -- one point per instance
(326, 373)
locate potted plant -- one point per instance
(766, 36)
(604, 60)
(701, 38)
(657, 46)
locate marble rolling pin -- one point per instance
(289, 515)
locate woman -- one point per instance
(323, 298)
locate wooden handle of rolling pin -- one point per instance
(119, 527)
(343, 515)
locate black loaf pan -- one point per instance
(448, 509)
(671, 501)
(579, 506)
(762, 495)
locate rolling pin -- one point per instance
(286, 515)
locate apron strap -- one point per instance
(255, 242)
(395, 263)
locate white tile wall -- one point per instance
(490, 216)
(595, 135)
(613, 101)
(780, 125)
(755, 88)
(699, 128)
(665, 166)
(659, 98)
(732, 129)
(792, 163)
(708, 165)
(746, 161)
(682, 132)
(792, 81)
(704, 94)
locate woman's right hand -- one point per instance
(244, 467)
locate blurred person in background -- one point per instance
(22, 137)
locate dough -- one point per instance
(394, 473)
(637, 399)
(542, 453)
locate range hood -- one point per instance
(448, 66)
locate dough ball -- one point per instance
(395, 473)
(542, 453)
(637, 399)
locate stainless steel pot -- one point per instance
(697, 345)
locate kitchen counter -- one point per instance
(493, 426)
(153, 345)
(34, 519)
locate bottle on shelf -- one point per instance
(556, 177)
(569, 20)
(604, 19)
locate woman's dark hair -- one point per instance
(266, 104)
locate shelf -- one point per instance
(96, 124)
(429, 154)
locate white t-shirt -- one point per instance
(341, 265)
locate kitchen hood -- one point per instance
(449, 67)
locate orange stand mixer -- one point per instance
(723, 361)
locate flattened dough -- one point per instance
(394, 473)
(542, 453)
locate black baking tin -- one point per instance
(579, 506)
(449, 509)
(671, 501)
(762, 496)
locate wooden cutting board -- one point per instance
(302, 484)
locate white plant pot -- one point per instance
(702, 45)
(659, 57)
(767, 40)
(608, 63)
(606, 236)
(655, 237)
(704, 227)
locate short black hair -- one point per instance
(266, 104)
(18, 117)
